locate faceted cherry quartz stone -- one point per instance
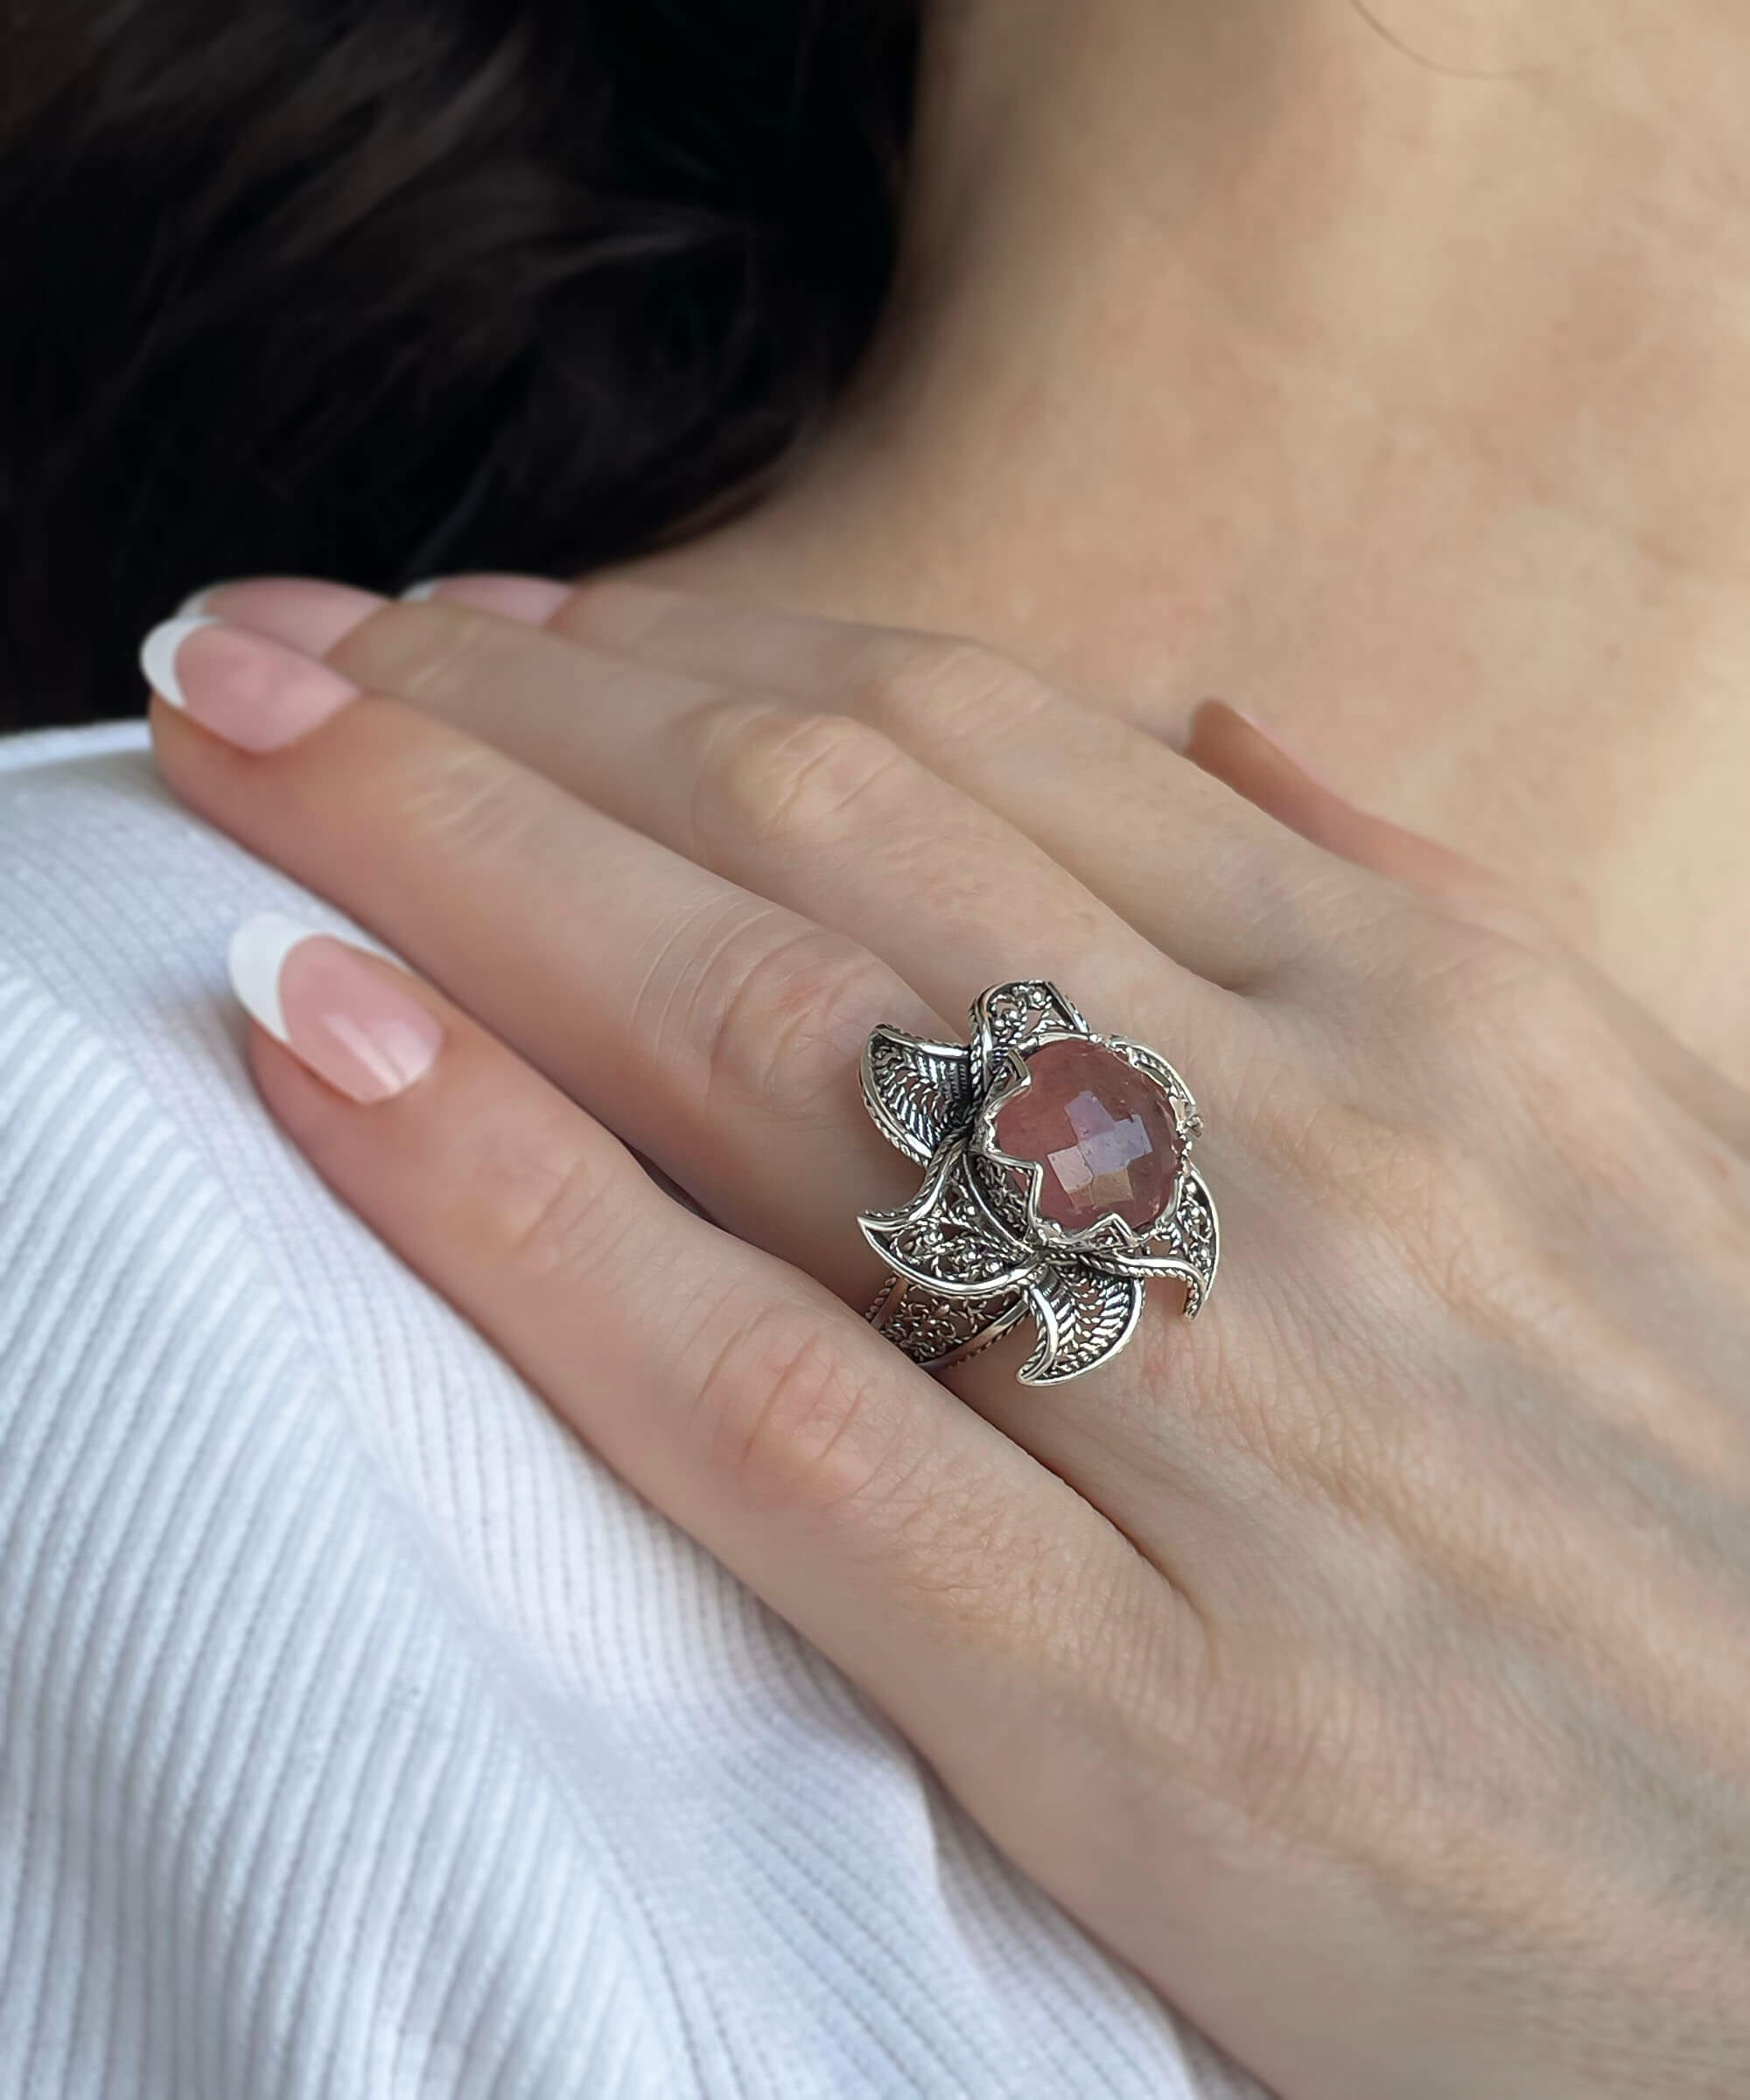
(1102, 1130)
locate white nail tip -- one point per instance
(158, 654)
(195, 603)
(417, 594)
(258, 951)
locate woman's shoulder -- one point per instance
(112, 902)
(124, 1073)
(297, 1574)
(116, 904)
(245, 1630)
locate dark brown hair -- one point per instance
(376, 289)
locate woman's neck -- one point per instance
(1400, 399)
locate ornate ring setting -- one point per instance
(1058, 1180)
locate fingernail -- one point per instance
(195, 603)
(297, 610)
(347, 1016)
(1211, 710)
(1287, 751)
(533, 599)
(245, 687)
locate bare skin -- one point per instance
(1367, 1664)
(1399, 399)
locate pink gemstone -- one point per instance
(1104, 1132)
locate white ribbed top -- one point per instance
(360, 1734)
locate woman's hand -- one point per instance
(1368, 1663)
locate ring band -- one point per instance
(940, 1332)
(1058, 1182)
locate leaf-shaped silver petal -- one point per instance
(1084, 1315)
(1186, 1243)
(945, 1238)
(919, 1094)
(1008, 1015)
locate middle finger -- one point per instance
(718, 1032)
(814, 807)
(817, 807)
(1206, 876)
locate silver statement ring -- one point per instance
(1059, 1181)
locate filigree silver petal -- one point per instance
(1084, 1316)
(945, 1238)
(1010, 1015)
(919, 1093)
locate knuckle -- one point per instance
(1374, 1168)
(462, 803)
(791, 1421)
(765, 1009)
(1421, 1203)
(1495, 992)
(1481, 1032)
(1298, 1748)
(787, 775)
(1414, 1219)
(944, 684)
(1481, 898)
(549, 1208)
(440, 659)
(1147, 1662)
(789, 1034)
(1513, 1041)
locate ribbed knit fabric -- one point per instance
(360, 1734)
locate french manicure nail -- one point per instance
(350, 1018)
(532, 599)
(302, 612)
(159, 653)
(246, 687)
